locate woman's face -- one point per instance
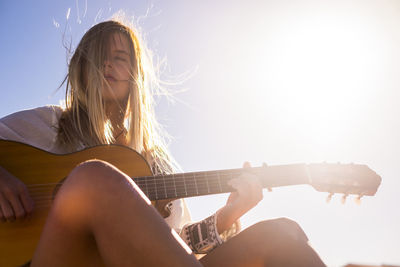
(117, 69)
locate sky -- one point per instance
(280, 82)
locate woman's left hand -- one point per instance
(247, 195)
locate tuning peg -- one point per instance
(357, 200)
(264, 164)
(344, 197)
(329, 197)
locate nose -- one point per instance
(107, 63)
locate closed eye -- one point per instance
(121, 59)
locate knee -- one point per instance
(282, 242)
(93, 180)
(282, 229)
(94, 175)
(94, 185)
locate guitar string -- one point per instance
(160, 191)
(170, 190)
(160, 177)
(150, 179)
(192, 185)
(38, 189)
(188, 184)
(201, 175)
(141, 184)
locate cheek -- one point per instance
(123, 71)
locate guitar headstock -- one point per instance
(346, 179)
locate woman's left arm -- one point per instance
(207, 234)
(247, 195)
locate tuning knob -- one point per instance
(357, 200)
(329, 197)
(344, 197)
(264, 164)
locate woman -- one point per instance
(108, 101)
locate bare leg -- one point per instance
(279, 242)
(100, 217)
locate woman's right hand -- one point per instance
(15, 201)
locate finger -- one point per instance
(250, 187)
(243, 188)
(256, 182)
(233, 182)
(246, 164)
(27, 201)
(232, 197)
(16, 205)
(240, 185)
(6, 209)
(248, 179)
(2, 218)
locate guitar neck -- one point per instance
(193, 184)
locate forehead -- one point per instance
(118, 42)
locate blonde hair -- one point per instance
(84, 121)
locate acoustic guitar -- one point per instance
(43, 173)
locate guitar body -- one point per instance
(36, 167)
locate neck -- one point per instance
(116, 113)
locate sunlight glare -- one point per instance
(319, 83)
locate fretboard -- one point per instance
(190, 184)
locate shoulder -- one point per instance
(48, 110)
(45, 113)
(37, 126)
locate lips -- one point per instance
(110, 78)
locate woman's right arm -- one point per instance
(15, 201)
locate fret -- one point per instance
(159, 187)
(219, 182)
(180, 185)
(173, 178)
(170, 187)
(212, 182)
(184, 183)
(155, 188)
(208, 186)
(195, 184)
(190, 184)
(145, 184)
(201, 181)
(165, 187)
(152, 189)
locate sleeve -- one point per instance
(36, 127)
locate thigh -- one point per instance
(67, 238)
(100, 215)
(65, 245)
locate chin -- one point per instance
(115, 95)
